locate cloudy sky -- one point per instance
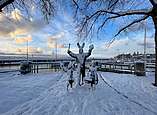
(16, 30)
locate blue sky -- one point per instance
(62, 29)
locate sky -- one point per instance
(43, 37)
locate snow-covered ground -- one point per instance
(17, 89)
(46, 94)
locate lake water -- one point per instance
(42, 67)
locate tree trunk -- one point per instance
(155, 55)
(155, 25)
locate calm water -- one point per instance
(9, 67)
(43, 67)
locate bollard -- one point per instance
(37, 68)
(140, 68)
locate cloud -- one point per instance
(149, 43)
(52, 38)
(32, 50)
(124, 45)
(53, 45)
(16, 29)
(119, 42)
(16, 14)
(7, 46)
(23, 38)
(6, 26)
(15, 23)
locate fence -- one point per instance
(124, 68)
(36, 67)
(55, 66)
(117, 68)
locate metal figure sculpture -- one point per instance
(71, 69)
(92, 76)
(81, 59)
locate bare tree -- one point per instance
(47, 7)
(101, 12)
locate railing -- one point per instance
(55, 66)
(124, 68)
(36, 67)
(117, 68)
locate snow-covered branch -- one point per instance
(4, 3)
(130, 24)
(112, 15)
(119, 14)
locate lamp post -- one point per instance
(145, 55)
(56, 48)
(27, 50)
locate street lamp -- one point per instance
(56, 48)
(145, 55)
(27, 50)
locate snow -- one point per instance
(16, 89)
(46, 94)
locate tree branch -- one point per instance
(102, 25)
(127, 26)
(153, 2)
(112, 4)
(96, 18)
(77, 7)
(132, 23)
(4, 3)
(120, 14)
(114, 15)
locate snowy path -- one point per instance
(138, 102)
(103, 101)
(17, 89)
(138, 90)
